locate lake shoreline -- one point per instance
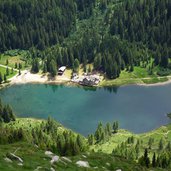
(27, 77)
(71, 105)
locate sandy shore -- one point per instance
(27, 77)
(157, 84)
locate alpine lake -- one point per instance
(137, 108)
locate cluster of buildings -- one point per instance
(86, 79)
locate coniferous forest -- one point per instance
(127, 33)
(104, 38)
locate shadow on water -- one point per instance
(111, 89)
(54, 87)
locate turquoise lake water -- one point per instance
(137, 108)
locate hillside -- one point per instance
(120, 42)
(124, 136)
(36, 156)
(101, 32)
(25, 24)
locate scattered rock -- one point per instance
(14, 157)
(49, 154)
(108, 164)
(36, 146)
(82, 164)
(54, 159)
(8, 160)
(38, 167)
(20, 164)
(52, 169)
(67, 159)
(84, 156)
(96, 167)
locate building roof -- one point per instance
(62, 69)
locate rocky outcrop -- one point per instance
(82, 164)
(14, 157)
(49, 154)
(66, 159)
(54, 159)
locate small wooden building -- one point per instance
(61, 70)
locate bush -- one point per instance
(164, 72)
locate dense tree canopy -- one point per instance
(147, 22)
(6, 113)
(125, 35)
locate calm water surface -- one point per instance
(137, 108)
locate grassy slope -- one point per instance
(12, 60)
(15, 56)
(138, 76)
(3, 71)
(163, 132)
(35, 157)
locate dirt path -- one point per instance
(4, 66)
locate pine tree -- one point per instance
(19, 72)
(5, 115)
(7, 71)
(35, 65)
(16, 65)
(91, 140)
(168, 147)
(1, 79)
(154, 160)
(115, 127)
(5, 78)
(161, 144)
(53, 68)
(89, 69)
(20, 66)
(7, 62)
(45, 68)
(108, 128)
(76, 65)
(146, 158)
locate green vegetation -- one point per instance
(109, 148)
(120, 38)
(35, 157)
(4, 71)
(45, 134)
(136, 146)
(30, 146)
(125, 41)
(6, 113)
(17, 59)
(169, 115)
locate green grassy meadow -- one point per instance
(3, 72)
(99, 156)
(138, 76)
(163, 133)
